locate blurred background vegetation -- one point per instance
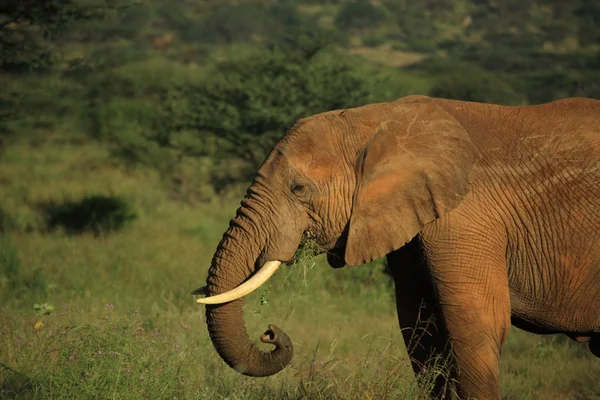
(162, 82)
(129, 130)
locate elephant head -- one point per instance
(363, 182)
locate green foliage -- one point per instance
(34, 104)
(372, 40)
(306, 252)
(43, 309)
(98, 214)
(588, 14)
(28, 28)
(128, 95)
(37, 97)
(417, 21)
(562, 84)
(358, 15)
(253, 98)
(14, 283)
(540, 44)
(157, 112)
(7, 222)
(123, 19)
(228, 23)
(471, 83)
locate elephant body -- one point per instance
(489, 216)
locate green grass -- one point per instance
(124, 325)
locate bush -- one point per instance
(464, 81)
(253, 98)
(372, 40)
(544, 86)
(484, 88)
(228, 23)
(158, 112)
(140, 109)
(97, 214)
(130, 20)
(39, 104)
(358, 15)
(416, 21)
(29, 30)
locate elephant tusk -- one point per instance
(263, 274)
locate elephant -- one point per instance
(488, 215)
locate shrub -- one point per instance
(98, 214)
(372, 40)
(485, 88)
(29, 29)
(159, 112)
(35, 104)
(131, 19)
(464, 81)
(139, 108)
(416, 21)
(543, 86)
(227, 23)
(358, 15)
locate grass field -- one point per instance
(124, 326)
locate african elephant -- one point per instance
(489, 216)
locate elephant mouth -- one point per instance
(335, 257)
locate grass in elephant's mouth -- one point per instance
(307, 250)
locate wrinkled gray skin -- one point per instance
(488, 215)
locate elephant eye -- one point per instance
(298, 188)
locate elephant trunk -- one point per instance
(234, 261)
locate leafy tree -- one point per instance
(548, 85)
(463, 81)
(540, 44)
(417, 21)
(127, 19)
(236, 110)
(227, 23)
(359, 15)
(34, 95)
(588, 15)
(29, 28)
(257, 96)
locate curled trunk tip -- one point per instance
(235, 348)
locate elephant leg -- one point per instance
(422, 331)
(474, 302)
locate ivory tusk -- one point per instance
(263, 274)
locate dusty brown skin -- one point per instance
(488, 215)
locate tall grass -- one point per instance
(124, 326)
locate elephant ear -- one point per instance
(414, 169)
